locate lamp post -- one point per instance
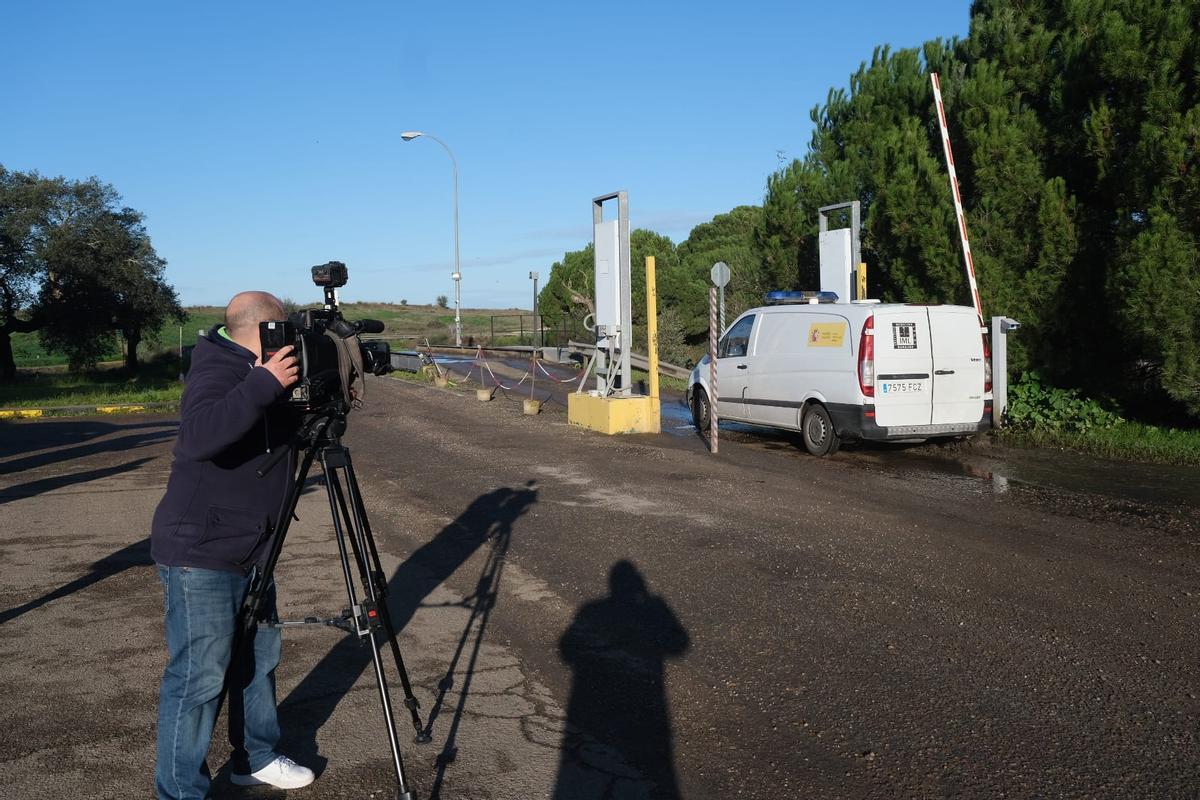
(408, 136)
(533, 276)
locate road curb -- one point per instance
(53, 411)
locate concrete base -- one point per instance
(638, 414)
(558, 355)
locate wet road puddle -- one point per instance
(1145, 490)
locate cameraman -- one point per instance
(210, 532)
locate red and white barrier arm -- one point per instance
(958, 205)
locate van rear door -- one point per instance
(903, 366)
(958, 367)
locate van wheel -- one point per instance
(700, 409)
(820, 438)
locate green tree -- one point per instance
(103, 278)
(733, 238)
(570, 290)
(442, 301)
(77, 267)
(1075, 130)
(26, 203)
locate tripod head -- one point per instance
(322, 427)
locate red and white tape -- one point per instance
(551, 377)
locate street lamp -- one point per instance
(408, 136)
(533, 276)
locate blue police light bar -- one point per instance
(783, 298)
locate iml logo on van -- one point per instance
(904, 335)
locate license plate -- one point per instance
(903, 387)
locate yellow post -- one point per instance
(652, 343)
(652, 326)
(862, 281)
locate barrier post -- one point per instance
(652, 325)
(712, 368)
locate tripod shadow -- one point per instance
(135, 555)
(309, 706)
(617, 646)
(481, 602)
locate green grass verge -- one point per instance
(664, 381)
(103, 387)
(422, 376)
(1131, 441)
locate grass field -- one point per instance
(406, 325)
(158, 383)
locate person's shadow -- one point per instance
(616, 646)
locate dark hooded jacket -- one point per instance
(217, 513)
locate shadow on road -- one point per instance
(29, 436)
(312, 702)
(481, 602)
(616, 647)
(135, 555)
(34, 488)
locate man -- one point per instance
(210, 534)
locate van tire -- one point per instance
(820, 438)
(700, 409)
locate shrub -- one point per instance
(1033, 405)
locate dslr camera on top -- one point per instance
(328, 348)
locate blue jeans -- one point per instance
(201, 609)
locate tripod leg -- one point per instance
(374, 569)
(366, 616)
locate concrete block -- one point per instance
(612, 415)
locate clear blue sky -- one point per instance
(260, 138)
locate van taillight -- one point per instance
(987, 365)
(866, 358)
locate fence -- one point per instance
(531, 330)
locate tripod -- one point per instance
(368, 617)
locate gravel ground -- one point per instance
(591, 617)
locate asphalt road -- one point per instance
(591, 617)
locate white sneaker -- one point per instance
(282, 773)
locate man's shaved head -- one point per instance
(247, 309)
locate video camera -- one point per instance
(328, 347)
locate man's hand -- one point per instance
(282, 365)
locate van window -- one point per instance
(736, 342)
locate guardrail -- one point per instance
(636, 359)
(411, 361)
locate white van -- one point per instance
(858, 370)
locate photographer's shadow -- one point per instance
(617, 711)
(310, 705)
